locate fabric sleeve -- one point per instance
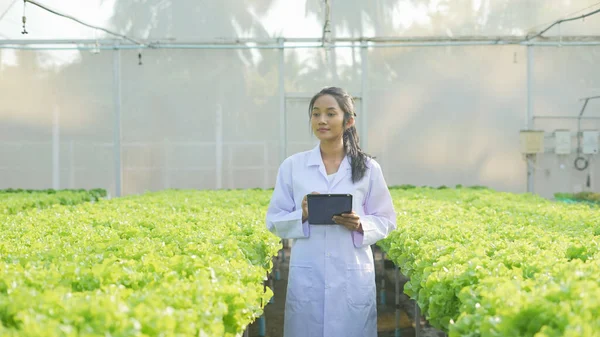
(283, 219)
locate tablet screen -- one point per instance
(322, 207)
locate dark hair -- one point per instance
(358, 158)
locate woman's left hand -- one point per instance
(349, 220)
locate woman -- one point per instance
(331, 283)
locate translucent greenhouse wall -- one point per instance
(226, 118)
(188, 20)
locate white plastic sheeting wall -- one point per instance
(214, 118)
(188, 20)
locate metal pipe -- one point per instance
(261, 320)
(585, 103)
(71, 164)
(11, 44)
(579, 125)
(282, 116)
(56, 148)
(364, 60)
(277, 265)
(530, 121)
(262, 326)
(417, 317)
(117, 124)
(272, 286)
(382, 294)
(591, 174)
(397, 278)
(385, 45)
(219, 147)
(529, 86)
(564, 117)
(266, 173)
(367, 40)
(167, 170)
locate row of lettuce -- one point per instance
(13, 201)
(484, 263)
(173, 263)
(189, 263)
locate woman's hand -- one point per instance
(349, 220)
(305, 208)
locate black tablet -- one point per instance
(322, 207)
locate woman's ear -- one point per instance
(350, 122)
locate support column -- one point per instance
(55, 148)
(282, 117)
(219, 147)
(117, 123)
(530, 172)
(364, 59)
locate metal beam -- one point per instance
(396, 39)
(564, 117)
(306, 95)
(246, 47)
(375, 42)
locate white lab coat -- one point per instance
(331, 283)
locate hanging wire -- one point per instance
(24, 18)
(558, 22)
(570, 14)
(78, 21)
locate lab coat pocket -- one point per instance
(360, 284)
(300, 284)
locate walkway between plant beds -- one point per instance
(386, 319)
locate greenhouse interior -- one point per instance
(158, 160)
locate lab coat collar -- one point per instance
(315, 159)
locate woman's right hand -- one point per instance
(305, 207)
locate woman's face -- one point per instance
(327, 119)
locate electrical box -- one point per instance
(532, 141)
(562, 141)
(590, 141)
